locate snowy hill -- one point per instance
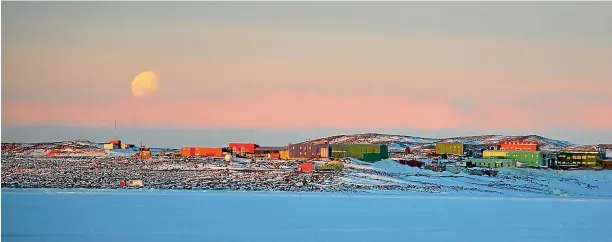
(511, 182)
(393, 141)
(65, 147)
(400, 141)
(78, 147)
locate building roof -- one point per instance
(605, 146)
(581, 148)
(447, 142)
(273, 148)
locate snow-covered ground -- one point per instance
(514, 182)
(153, 215)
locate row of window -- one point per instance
(577, 162)
(579, 157)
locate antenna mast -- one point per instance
(115, 131)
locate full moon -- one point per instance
(144, 84)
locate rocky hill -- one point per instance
(402, 141)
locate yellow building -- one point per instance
(494, 154)
(284, 154)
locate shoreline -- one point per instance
(295, 194)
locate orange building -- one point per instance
(187, 151)
(243, 148)
(206, 151)
(519, 145)
(201, 151)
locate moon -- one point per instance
(145, 84)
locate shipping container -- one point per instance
(187, 151)
(608, 153)
(331, 166)
(284, 154)
(519, 145)
(305, 167)
(145, 154)
(607, 164)
(135, 183)
(450, 148)
(494, 154)
(358, 151)
(115, 142)
(305, 150)
(109, 146)
(274, 155)
(243, 148)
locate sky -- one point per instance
(277, 72)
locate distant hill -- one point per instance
(393, 141)
(402, 141)
(78, 147)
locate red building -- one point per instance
(243, 148)
(519, 145)
(306, 167)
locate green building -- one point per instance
(579, 158)
(493, 163)
(530, 158)
(449, 148)
(364, 152)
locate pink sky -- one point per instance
(268, 76)
(297, 111)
